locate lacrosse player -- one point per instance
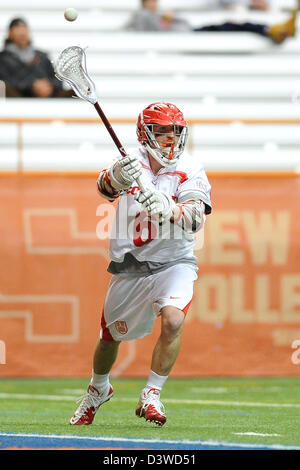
(153, 273)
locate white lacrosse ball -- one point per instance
(70, 14)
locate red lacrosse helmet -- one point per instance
(168, 121)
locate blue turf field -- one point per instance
(35, 441)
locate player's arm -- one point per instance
(193, 201)
(188, 213)
(119, 177)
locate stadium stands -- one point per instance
(210, 76)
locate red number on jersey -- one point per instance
(142, 224)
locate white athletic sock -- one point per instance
(156, 381)
(101, 382)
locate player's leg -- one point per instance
(123, 318)
(99, 390)
(105, 355)
(172, 293)
(163, 358)
(167, 347)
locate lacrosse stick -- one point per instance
(71, 67)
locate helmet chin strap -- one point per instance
(171, 154)
(159, 159)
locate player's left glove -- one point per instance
(124, 172)
(156, 203)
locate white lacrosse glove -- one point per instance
(156, 203)
(124, 172)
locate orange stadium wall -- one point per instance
(245, 315)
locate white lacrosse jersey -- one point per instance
(135, 233)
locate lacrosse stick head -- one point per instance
(71, 68)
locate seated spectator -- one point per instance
(27, 72)
(149, 18)
(252, 4)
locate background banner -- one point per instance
(245, 315)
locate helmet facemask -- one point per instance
(165, 150)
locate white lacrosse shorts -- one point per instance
(132, 304)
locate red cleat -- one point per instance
(150, 407)
(89, 405)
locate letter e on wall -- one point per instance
(295, 358)
(2, 352)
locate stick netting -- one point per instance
(71, 67)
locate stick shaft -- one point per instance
(110, 129)
(115, 138)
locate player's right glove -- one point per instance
(156, 203)
(124, 172)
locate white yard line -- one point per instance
(211, 390)
(251, 433)
(72, 391)
(26, 396)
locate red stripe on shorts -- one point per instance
(185, 309)
(105, 331)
